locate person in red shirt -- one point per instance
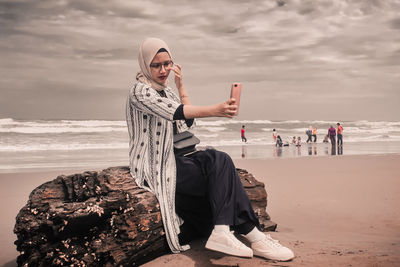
(244, 139)
(339, 134)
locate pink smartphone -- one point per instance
(236, 89)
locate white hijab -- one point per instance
(147, 52)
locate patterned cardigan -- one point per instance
(151, 155)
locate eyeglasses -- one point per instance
(164, 64)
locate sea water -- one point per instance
(61, 144)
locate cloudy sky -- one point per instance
(297, 59)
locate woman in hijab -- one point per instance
(200, 194)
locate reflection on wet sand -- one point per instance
(333, 149)
(326, 149)
(312, 150)
(340, 150)
(278, 151)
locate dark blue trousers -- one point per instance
(339, 139)
(209, 192)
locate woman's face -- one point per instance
(160, 67)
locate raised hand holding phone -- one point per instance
(236, 89)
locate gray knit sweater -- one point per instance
(149, 117)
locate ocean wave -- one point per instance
(376, 123)
(212, 123)
(6, 121)
(88, 123)
(255, 122)
(267, 130)
(291, 122)
(42, 130)
(94, 123)
(61, 147)
(200, 122)
(214, 129)
(199, 135)
(9, 125)
(377, 130)
(372, 138)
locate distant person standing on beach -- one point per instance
(242, 131)
(314, 134)
(309, 134)
(339, 134)
(332, 134)
(200, 193)
(274, 135)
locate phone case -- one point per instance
(236, 89)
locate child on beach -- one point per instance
(298, 141)
(242, 131)
(294, 140)
(274, 135)
(202, 189)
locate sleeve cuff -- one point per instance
(179, 115)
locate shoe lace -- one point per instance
(272, 241)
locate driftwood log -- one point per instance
(101, 219)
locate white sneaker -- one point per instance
(226, 242)
(271, 249)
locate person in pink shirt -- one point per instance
(332, 135)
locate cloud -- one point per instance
(296, 44)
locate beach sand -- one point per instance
(14, 194)
(332, 211)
